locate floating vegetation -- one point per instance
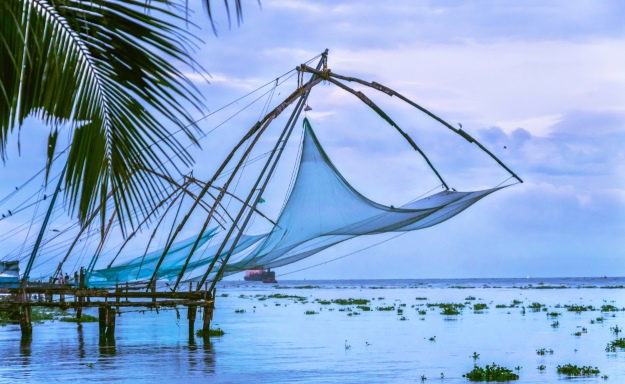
(83, 319)
(535, 306)
(400, 311)
(224, 295)
(613, 345)
(475, 356)
(422, 312)
(480, 307)
(351, 301)
(403, 318)
(543, 352)
(579, 308)
(609, 308)
(433, 338)
(553, 314)
(314, 313)
(577, 333)
(421, 298)
(555, 324)
(616, 330)
(492, 372)
(450, 311)
(501, 306)
(573, 370)
(462, 286)
(239, 311)
(599, 319)
(390, 308)
(324, 302)
(515, 303)
(363, 307)
(212, 332)
(470, 298)
(281, 296)
(541, 367)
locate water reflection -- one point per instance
(81, 342)
(209, 356)
(107, 346)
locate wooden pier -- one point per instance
(20, 300)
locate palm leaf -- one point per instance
(109, 69)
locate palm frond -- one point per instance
(110, 70)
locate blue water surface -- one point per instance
(274, 341)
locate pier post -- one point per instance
(26, 325)
(110, 322)
(81, 286)
(102, 313)
(208, 316)
(191, 315)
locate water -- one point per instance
(280, 343)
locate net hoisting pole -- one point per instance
(278, 152)
(326, 76)
(257, 129)
(391, 92)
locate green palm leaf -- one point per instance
(109, 69)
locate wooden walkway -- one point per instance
(18, 301)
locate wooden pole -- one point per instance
(191, 315)
(110, 322)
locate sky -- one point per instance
(540, 84)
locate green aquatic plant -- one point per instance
(400, 311)
(615, 329)
(351, 301)
(492, 372)
(281, 296)
(450, 311)
(479, 307)
(363, 307)
(212, 332)
(541, 367)
(403, 318)
(599, 319)
(422, 312)
(224, 295)
(613, 345)
(347, 346)
(501, 306)
(609, 308)
(313, 313)
(239, 311)
(515, 303)
(433, 338)
(421, 298)
(575, 371)
(390, 308)
(555, 324)
(536, 306)
(579, 308)
(578, 333)
(470, 298)
(544, 351)
(83, 319)
(423, 378)
(475, 356)
(324, 302)
(553, 314)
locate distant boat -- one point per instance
(9, 272)
(266, 276)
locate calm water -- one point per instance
(274, 341)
